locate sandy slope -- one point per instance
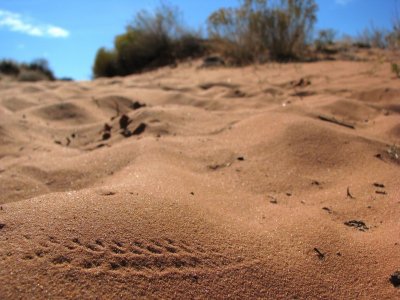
(226, 184)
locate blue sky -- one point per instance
(69, 33)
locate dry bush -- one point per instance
(381, 38)
(325, 40)
(31, 76)
(372, 38)
(41, 66)
(258, 29)
(147, 42)
(189, 45)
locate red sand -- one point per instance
(236, 188)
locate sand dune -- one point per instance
(275, 181)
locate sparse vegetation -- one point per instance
(256, 31)
(325, 40)
(151, 40)
(373, 38)
(36, 70)
(380, 38)
(259, 30)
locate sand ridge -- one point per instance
(277, 181)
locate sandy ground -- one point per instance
(276, 182)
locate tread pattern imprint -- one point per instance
(157, 256)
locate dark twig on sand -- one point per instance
(381, 192)
(360, 225)
(349, 195)
(327, 209)
(273, 200)
(335, 121)
(321, 255)
(379, 185)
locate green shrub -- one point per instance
(189, 45)
(256, 29)
(147, 50)
(150, 41)
(147, 42)
(105, 63)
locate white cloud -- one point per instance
(343, 2)
(57, 32)
(16, 22)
